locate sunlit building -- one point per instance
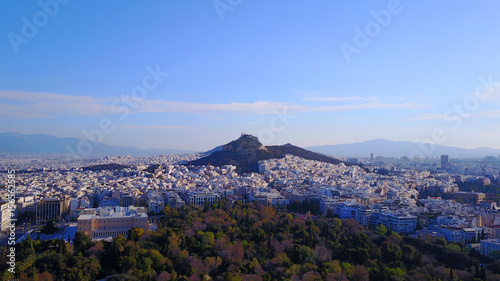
(104, 222)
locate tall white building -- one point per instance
(74, 204)
(5, 216)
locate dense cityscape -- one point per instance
(446, 199)
(234, 140)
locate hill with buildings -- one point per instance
(247, 151)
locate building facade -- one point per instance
(127, 199)
(490, 248)
(172, 199)
(156, 206)
(469, 197)
(493, 231)
(202, 198)
(5, 216)
(444, 161)
(104, 222)
(109, 202)
(400, 223)
(49, 209)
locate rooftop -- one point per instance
(113, 212)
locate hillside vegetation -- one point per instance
(248, 242)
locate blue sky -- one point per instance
(300, 71)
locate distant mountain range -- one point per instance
(386, 148)
(20, 144)
(247, 151)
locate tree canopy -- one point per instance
(249, 242)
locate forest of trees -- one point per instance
(248, 242)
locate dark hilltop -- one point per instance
(247, 151)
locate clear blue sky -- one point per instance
(287, 71)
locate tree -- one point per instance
(395, 273)
(49, 228)
(337, 222)
(26, 249)
(330, 214)
(483, 235)
(389, 232)
(131, 235)
(441, 241)
(62, 246)
(306, 254)
(419, 225)
(347, 268)
(82, 242)
(136, 233)
(360, 273)
(381, 230)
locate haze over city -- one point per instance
(195, 74)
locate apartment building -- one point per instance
(493, 231)
(156, 206)
(5, 218)
(490, 248)
(399, 222)
(172, 199)
(461, 234)
(127, 199)
(469, 197)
